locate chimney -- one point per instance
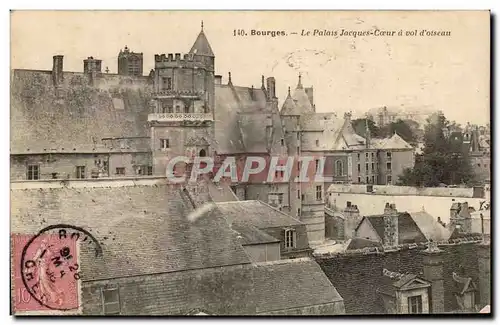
(433, 272)
(57, 70)
(351, 220)
(310, 95)
(218, 79)
(391, 225)
(484, 265)
(271, 88)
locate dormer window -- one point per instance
(415, 305)
(290, 238)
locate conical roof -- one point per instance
(289, 107)
(301, 99)
(201, 46)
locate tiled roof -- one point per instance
(80, 116)
(141, 224)
(293, 283)
(257, 213)
(201, 46)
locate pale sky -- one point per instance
(450, 73)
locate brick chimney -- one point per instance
(310, 95)
(57, 70)
(271, 88)
(433, 272)
(218, 79)
(391, 225)
(484, 264)
(351, 220)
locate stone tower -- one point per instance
(130, 63)
(182, 108)
(308, 196)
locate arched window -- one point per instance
(203, 153)
(339, 168)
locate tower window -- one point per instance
(317, 143)
(282, 142)
(167, 83)
(319, 193)
(339, 168)
(164, 143)
(120, 170)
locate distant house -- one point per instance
(396, 228)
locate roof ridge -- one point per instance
(283, 213)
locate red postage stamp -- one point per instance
(46, 271)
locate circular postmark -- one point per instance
(50, 267)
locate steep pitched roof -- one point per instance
(239, 114)
(201, 46)
(302, 101)
(257, 213)
(161, 231)
(408, 230)
(77, 116)
(430, 228)
(289, 107)
(394, 142)
(292, 283)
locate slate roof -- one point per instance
(289, 107)
(143, 229)
(240, 119)
(257, 213)
(201, 46)
(251, 235)
(78, 116)
(408, 230)
(292, 283)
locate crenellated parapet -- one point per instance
(178, 60)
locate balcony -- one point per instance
(168, 93)
(180, 117)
